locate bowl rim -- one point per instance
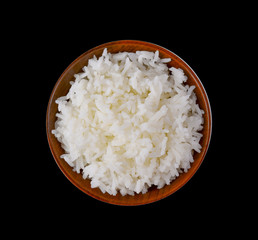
(137, 42)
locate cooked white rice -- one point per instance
(129, 122)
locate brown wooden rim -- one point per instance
(200, 85)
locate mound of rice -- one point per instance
(129, 122)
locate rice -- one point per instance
(129, 122)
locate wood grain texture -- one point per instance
(61, 88)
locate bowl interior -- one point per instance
(62, 87)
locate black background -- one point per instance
(50, 40)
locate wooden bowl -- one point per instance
(61, 88)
